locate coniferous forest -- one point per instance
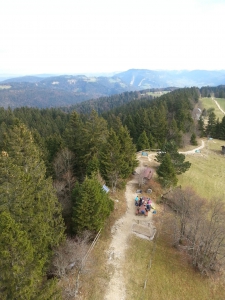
(52, 162)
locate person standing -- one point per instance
(136, 201)
(140, 201)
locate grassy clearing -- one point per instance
(221, 102)
(5, 87)
(157, 94)
(207, 173)
(208, 103)
(170, 277)
(90, 79)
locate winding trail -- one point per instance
(218, 105)
(194, 150)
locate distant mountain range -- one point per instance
(51, 91)
(145, 79)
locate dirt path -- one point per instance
(194, 150)
(219, 106)
(121, 231)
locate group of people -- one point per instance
(145, 202)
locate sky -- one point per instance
(104, 36)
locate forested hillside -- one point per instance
(57, 91)
(159, 120)
(53, 165)
(103, 104)
(216, 91)
(68, 90)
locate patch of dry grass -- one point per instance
(170, 277)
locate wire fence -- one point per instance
(151, 261)
(152, 258)
(84, 261)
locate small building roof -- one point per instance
(148, 173)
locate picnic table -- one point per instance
(141, 210)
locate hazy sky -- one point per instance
(81, 36)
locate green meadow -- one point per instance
(207, 172)
(221, 102)
(208, 103)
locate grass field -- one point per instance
(207, 173)
(157, 94)
(221, 102)
(169, 278)
(5, 87)
(208, 103)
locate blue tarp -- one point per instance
(144, 153)
(105, 188)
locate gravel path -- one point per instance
(194, 150)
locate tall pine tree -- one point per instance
(30, 200)
(166, 172)
(91, 207)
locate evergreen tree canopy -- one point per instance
(19, 271)
(177, 159)
(29, 204)
(91, 205)
(85, 138)
(211, 126)
(166, 172)
(118, 157)
(111, 160)
(142, 142)
(193, 140)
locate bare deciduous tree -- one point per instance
(197, 226)
(64, 182)
(70, 254)
(209, 251)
